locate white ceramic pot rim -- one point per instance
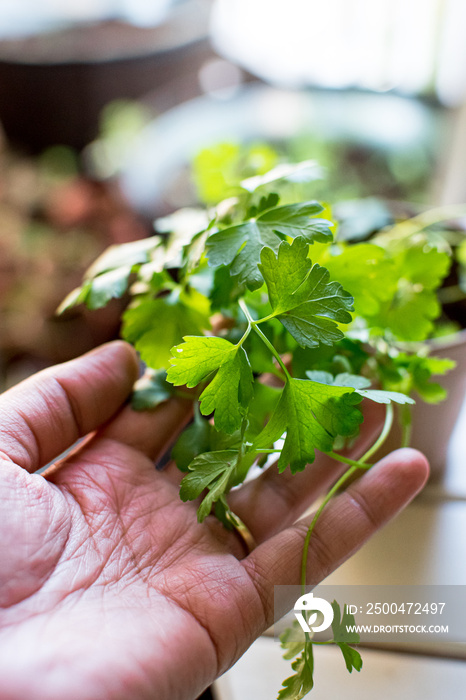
(448, 341)
(438, 344)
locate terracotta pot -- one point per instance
(433, 424)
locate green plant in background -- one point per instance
(279, 325)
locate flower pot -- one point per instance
(53, 86)
(433, 424)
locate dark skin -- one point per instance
(109, 588)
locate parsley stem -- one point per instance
(243, 338)
(266, 318)
(387, 426)
(346, 460)
(341, 481)
(263, 337)
(245, 311)
(267, 342)
(406, 424)
(337, 486)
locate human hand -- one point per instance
(109, 588)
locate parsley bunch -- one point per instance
(279, 330)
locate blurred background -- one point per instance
(114, 112)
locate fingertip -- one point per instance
(414, 465)
(406, 469)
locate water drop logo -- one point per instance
(307, 603)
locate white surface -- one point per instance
(425, 544)
(455, 477)
(259, 673)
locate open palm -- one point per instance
(109, 588)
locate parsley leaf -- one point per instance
(151, 390)
(360, 385)
(343, 637)
(408, 373)
(305, 171)
(410, 312)
(204, 470)
(312, 415)
(97, 292)
(154, 326)
(302, 298)
(241, 245)
(124, 255)
(293, 640)
(211, 471)
(196, 358)
(376, 280)
(298, 686)
(351, 656)
(340, 623)
(230, 391)
(193, 441)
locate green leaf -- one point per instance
(74, 298)
(98, 291)
(260, 357)
(425, 267)
(410, 316)
(351, 656)
(241, 245)
(154, 326)
(269, 201)
(204, 470)
(380, 396)
(225, 289)
(124, 255)
(302, 297)
(229, 393)
(151, 390)
(196, 358)
(423, 368)
(344, 379)
(347, 355)
(215, 171)
(305, 171)
(343, 637)
(211, 471)
(301, 683)
(312, 415)
(109, 285)
(296, 220)
(411, 310)
(192, 442)
(360, 385)
(408, 373)
(316, 414)
(367, 273)
(263, 404)
(340, 624)
(293, 640)
(215, 493)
